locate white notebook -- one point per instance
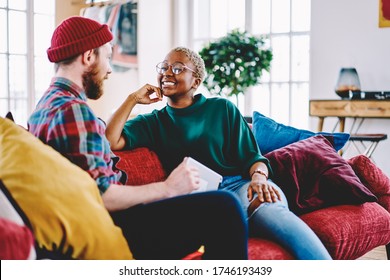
(210, 179)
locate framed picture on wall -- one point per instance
(384, 13)
(121, 18)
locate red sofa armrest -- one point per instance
(373, 178)
(141, 165)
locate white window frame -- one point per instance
(30, 62)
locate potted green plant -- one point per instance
(235, 62)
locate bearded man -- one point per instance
(81, 51)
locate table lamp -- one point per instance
(348, 83)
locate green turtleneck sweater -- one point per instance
(211, 130)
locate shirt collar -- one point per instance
(69, 86)
(199, 100)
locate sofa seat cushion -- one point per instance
(141, 165)
(258, 249)
(350, 231)
(262, 249)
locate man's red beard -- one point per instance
(92, 85)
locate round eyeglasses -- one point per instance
(177, 68)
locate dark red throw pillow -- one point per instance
(16, 241)
(313, 175)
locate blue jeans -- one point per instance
(274, 221)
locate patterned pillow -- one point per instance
(61, 201)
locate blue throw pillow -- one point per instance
(271, 135)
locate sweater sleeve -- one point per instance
(139, 132)
(243, 142)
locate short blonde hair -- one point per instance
(200, 70)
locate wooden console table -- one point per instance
(343, 108)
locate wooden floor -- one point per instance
(376, 254)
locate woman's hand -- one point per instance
(266, 192)
(118, 119)
(145, 93)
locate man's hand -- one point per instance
(184, 179)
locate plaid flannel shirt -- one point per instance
(63, 120)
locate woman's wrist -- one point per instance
(259, 171)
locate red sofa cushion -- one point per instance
(141, 165)
(350, 231)
(262, 249)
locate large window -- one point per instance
(25, 72)
(284, 92)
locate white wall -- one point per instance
(116, 89)
(345, 33)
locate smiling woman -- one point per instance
(25, 27)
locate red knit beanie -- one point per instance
(75, 36)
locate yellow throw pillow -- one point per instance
(60, 200)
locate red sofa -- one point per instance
(347, 231)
